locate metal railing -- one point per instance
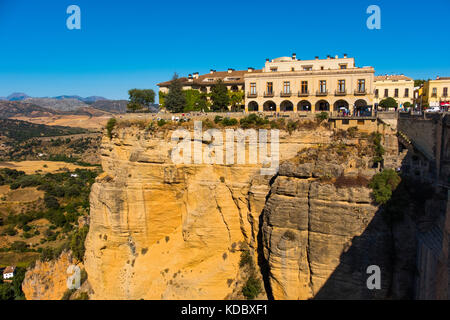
(285, 94)
(268, 94)
(252, 94)
(303, 93)
(359, 92)
(340, 92)
(321, 93)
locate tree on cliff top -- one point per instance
(388, 103)
(140, 99)
(220, 97)
(175, 100)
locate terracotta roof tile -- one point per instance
(223, 75)
(392, 77)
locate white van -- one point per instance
(433, 109)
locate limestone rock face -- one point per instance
(320, 239)
(165, 231)
(48, 280)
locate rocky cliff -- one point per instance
(165, 231)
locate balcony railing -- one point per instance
(268, 94)
(359, 92)
(285, 94)
(340, 92)
(252, 94)
(321, 93)
(303, 93)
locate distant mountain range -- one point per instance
(64, 103)
(20, 96)
(22, 104)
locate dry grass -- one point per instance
(79, 121)
(351, 182)
(32, 167)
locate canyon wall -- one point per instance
(165, 231)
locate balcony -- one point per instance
(321, 93)
(360, 92)
(340, 92)
(285, 94)
(303, 93)
(268, 94)
(252, 94)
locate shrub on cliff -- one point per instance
(77, 243)
(252, 288)
(320, 117)
(110, 126)
(383, 184)
(378, 148)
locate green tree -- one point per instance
(388, 103)
(219, 96)
(162, 99)
(236, 99)
(110, 126)
(140, 99)
(77, 243)
(419, 82)
(175, 100)
(383, 184)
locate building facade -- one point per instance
(399, 87)
(435, 92)
(233, 79)
(288, 84)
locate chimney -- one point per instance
(211, 71)
(190, 79)
(250, 69)
(345, 55)
(328, 56)
(336, 57)
(317, 57)
(195, 75)
(294, 56)
(267, 60)
(437, 78)
(230, 70)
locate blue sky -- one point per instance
(136, 43)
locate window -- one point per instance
(343, 66)
(292, 69)
(269, 87)
(386, 93)
(406, 93)
(396, 93)
(341, 86)
(321, 68)
(274, 69)
(360, 122)
(307, 68)
(376, 93)
(434, 92)
(304, 87)
(445, 92)
(287, 87)
(361, 85)
(253, 88)
(323, 86)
